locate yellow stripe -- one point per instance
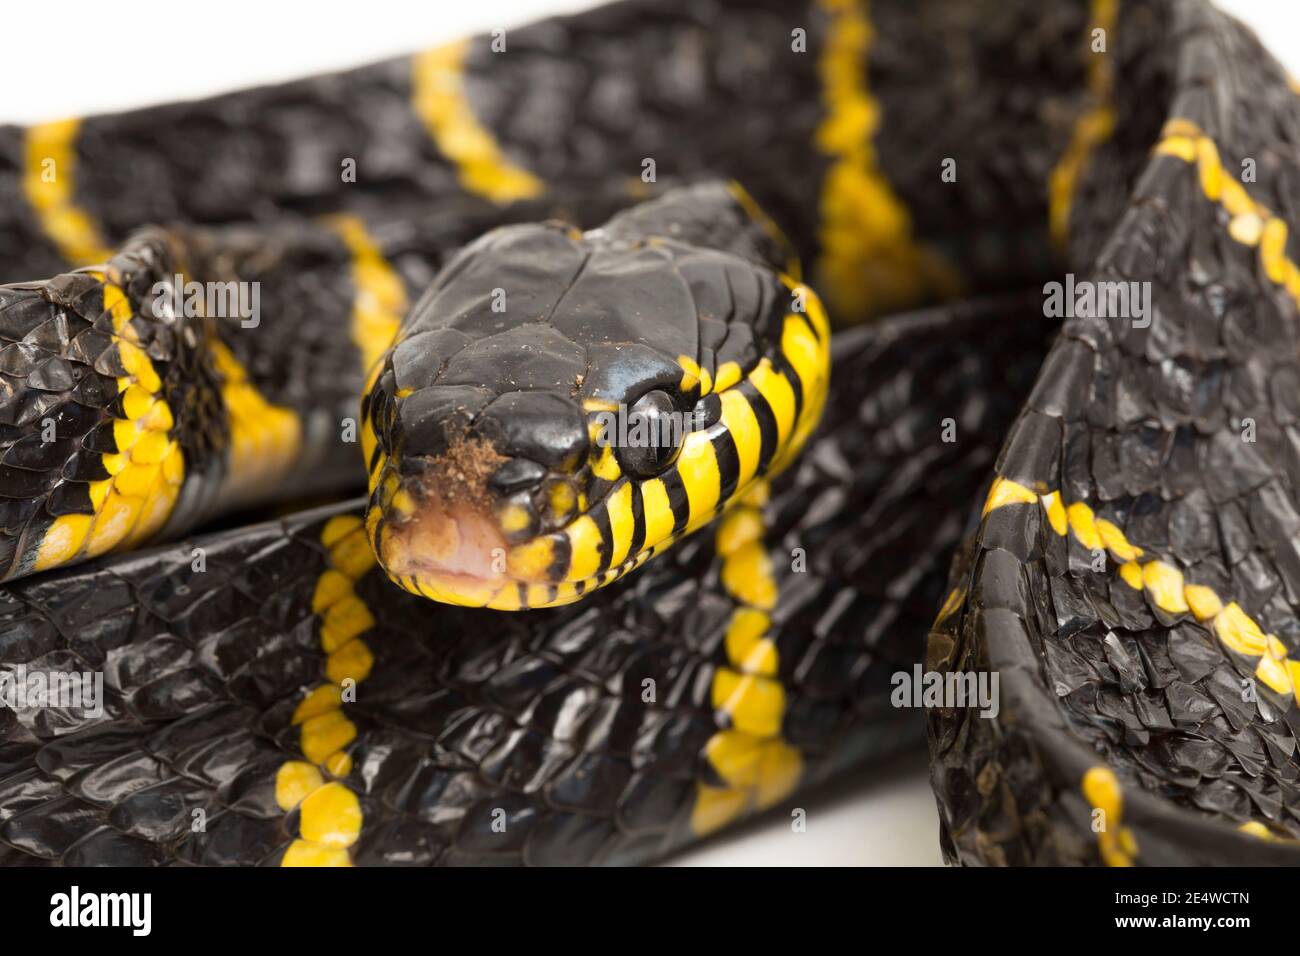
(621, 523)
(1180, 146)
(330, 816)
(1164, 584)
(1083, 525)
(697, 466)
(148, 467)
(294, 781)
(810, 357)
(1252, 224)
(380, 300)
(813, 310)
(1202, 601)
(1093, 127)
(584, 548)
(728, 374)
(1056, 512)
(49, 183)
(1005, 492)
(757, 766)
(693, 377)
(1115, 841)
(531, 560)
(146, 471)
(1116, 543)
(1257, 829)
(955, 599)
(438, 95)
(1239, 631)
(772, 385)
(658, 513)
(265, 439)
(754, 704)
(604, 463)
(1167, 589)
(1272, 250)
(805, 354)
(739, 419)
(747, 576)
(739, 527)
(1209, 169)
(870, 262)
(747, 646)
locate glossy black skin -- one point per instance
(711, 90)
(539, 713)
(1146, 426)
(60, 381)
(881, 498)
(59, 361)
(578, 100)
(707, 89)
(878, 503)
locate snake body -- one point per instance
(645, 207)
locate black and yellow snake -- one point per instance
(470, 263)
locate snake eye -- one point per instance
(655, 431)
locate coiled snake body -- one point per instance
(704, 625)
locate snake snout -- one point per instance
(441, 531)
(457, 547)
(448, 523)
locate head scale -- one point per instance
(559, 406)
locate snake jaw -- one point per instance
(452, 524)
(456, 552)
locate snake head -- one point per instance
(561, 406)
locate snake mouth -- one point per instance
(453, 550)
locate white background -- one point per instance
(75, 58)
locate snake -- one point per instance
(553, 447)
